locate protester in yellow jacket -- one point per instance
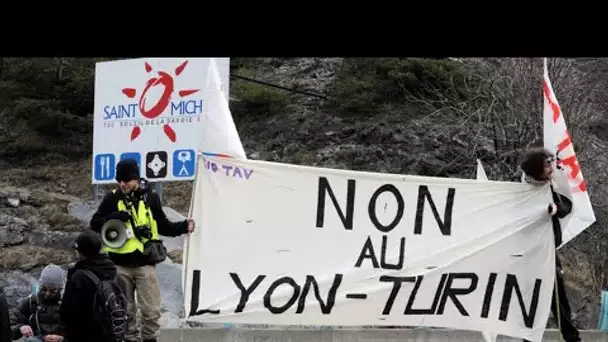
(140, 209)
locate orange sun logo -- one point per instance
(166, 80)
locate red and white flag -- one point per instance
(568, 176)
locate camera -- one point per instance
(143, 232)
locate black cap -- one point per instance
(88, 244)
(126, 170)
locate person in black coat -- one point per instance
(6, 334)
(537, 167)
(77, 305)
(36, 317)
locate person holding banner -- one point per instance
(537, 166)
(6, 335)
(143, 221)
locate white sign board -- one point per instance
(152, 110)
(290, 245)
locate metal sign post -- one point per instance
(158, 188)
(95, 192)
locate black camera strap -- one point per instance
(144, 198)
(130, 206)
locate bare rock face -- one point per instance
(13, 197)
(16, 284)
(53, 239)
(35, 230)
(12, 230)
(13, 202)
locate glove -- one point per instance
(120, 215)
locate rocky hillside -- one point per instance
(417, 116)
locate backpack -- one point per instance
(109, 307)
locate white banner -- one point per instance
(219, 132)
(568, 177)
(290, 245)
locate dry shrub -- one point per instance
(52, 175)
(31, 256)
(501, 113)
(59, 219)
(177, 195)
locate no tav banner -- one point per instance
(293, 245)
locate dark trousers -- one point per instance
(568, 330)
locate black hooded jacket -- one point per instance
(564, 208)
(108, 210)
(77, 305)
(5, 323)
(43, 317)
(563, 204)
